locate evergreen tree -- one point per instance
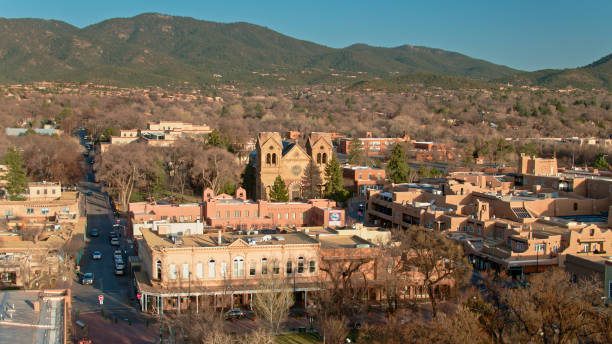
(214, 139)
(248, 180)
(333, 181)
(279, 191)
(601, 163)
(157, 180)
(397, 168)
(311, 182)
(355, 151)
(16, 177)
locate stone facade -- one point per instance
(288, 160)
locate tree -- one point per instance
(529, 149)
(52, 158)
(437, 259)
(214, 139)
(214, 167)
(552, 310)
(121, 167)
(601, 163)
(274, 302)
(334, 188)
(16, 176)
(311, 182)
(279, 192)
(156, 180)
(249, 182)
(355, 152)
(397, 168)
(342, 285)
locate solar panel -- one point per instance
(521, 213)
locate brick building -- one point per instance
(237, 212)
(359, 179)
(372, 146)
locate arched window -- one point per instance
(268, 159)
(318, 158)
(264, 266)
(273, 158)
(159, 269)
(289, 267)
(300, 266)
(324, 158)
(211, 268)
(238, 267)
(312, 267)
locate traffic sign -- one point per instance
(138, 295)
(101, 299)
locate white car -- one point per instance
(96, 255)
(118, 254)
(115, 242)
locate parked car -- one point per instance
(118, 254)
(115, 242)
(89, 193)
(94, 233)
(234, 314)
(119, 266)
(119, 271)
(96, 255)
(87, 278)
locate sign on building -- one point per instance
(335, 218)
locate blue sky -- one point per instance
(524, 34)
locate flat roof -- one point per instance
(211, 239)
(342, 241)
(27, 325)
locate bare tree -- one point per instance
(273, 303)
(343, 284)
(551, 310)
(438, 260)
(121, 167)
(334, 329)
(213, 167)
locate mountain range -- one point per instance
(156, 49)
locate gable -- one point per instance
(296, 153)
(239, 243)
(271, 139)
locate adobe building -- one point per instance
(162, 134)
(537, 166)
(275, 157)
(521, 223)
(44, 202)
(43, 191)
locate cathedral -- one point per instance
(276, 157)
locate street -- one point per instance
(115, 289)
(119, 301)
